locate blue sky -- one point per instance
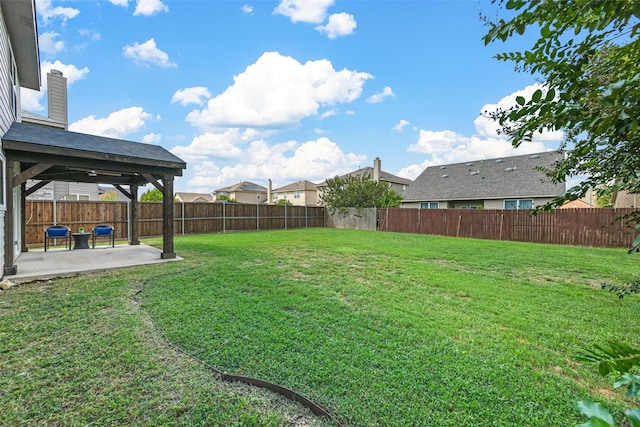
(284, 90)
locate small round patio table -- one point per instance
(81, 240)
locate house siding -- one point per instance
(6, 117)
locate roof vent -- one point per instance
(510, 169)
(499, 161)
(445, 176)
(469, 164)
(443, 167)
(534, 156)
(474, 173)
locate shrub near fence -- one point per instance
(578, 227)
(189, 218)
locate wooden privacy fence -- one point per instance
(578, 227)
(189, 218)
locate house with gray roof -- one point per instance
(502, 183)
(185, 197)
(376, 173)
(242, 192)
(396, 183)
(300, 193)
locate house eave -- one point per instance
(20, 19)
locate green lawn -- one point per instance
(379, 328)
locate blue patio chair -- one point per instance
(57, 232)
(103, 230)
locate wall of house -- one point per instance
(7, 117)
(246, 197)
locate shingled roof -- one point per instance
(506, 177)
(246, 186)
(297, 186)
(384, 176)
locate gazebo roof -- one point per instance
(79, 157)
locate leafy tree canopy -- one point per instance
(588, 55)
(153, 195)
(358, 191)
(110, 196)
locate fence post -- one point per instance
(285, 217)
(182, 203)
(257, 217)
(128, 221)
(306, 217)
(224, 221)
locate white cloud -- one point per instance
(31, 100)
(485, 126)
(210, 144)
(328, 113)
(150, 7)
(279, 91)
(443, 147)
(191, 95)
(309, 11)
(117, 125)
(399, 127)
(45, 9)
(123, 3)
(338, 25)
(284, 163)
(48, 43)
(90, 34)
(380, 96)
(152, 138)
(147, 53)
(246, 9)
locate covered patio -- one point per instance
(40, 265)
(49, 154)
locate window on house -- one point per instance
(275, 196)
(429, 205)
(518, 204)
(296, 195)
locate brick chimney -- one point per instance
(269, 195)
(57, 94)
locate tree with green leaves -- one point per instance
(587, 54)
(358, 191)
(110, 196)
(153, 195)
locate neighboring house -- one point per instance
(504, 183)
(58, 118)
(301, 193)
(19, 68)
(577, 204)
(622, 199)
(242, 192)
(194, 197)
(396, 183)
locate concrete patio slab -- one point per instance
(40, 265)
